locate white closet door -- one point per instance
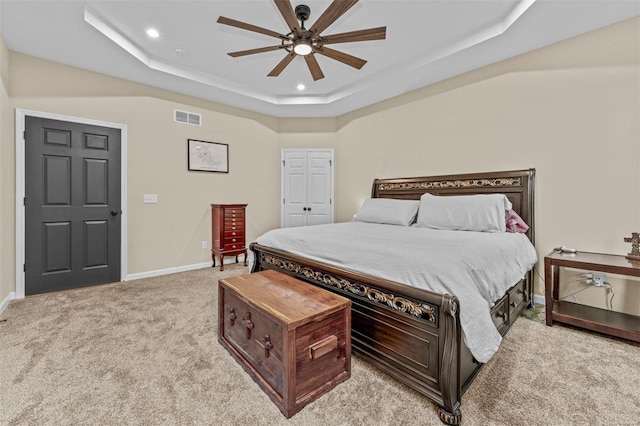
(307, 187)
(319, 187)
(295, 188)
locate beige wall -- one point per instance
(7, 275)
(167, 234)
(570, 110)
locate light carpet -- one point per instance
(145, 352)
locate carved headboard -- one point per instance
(517, 185)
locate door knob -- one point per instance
(308, 209)
(114, 212)
(304, 209)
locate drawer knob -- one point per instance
(513, 304)
(233, 233)
(526, 295)
(503, 316)
(248, 325)
(234, 240)
(268, 346)
(232, 317)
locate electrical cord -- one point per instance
(577, 280)
(606, 285)
(613, 293)
(574, 294)
(538, 274)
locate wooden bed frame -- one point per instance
(414, 335)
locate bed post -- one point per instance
(257, 267)
(374, 189)
(532, 236)
(450, 367)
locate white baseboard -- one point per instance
(159, 272)
(6, 301)
(538, 300)
(228, 260)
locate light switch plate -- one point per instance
(150, 198)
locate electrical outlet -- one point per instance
(205, 244)
(599, 278)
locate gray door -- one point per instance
(72, 205)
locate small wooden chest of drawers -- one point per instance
(228, 232)
(294, 339)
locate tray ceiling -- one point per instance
(427, 41)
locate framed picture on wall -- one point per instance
(208, 156)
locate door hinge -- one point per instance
(283, 163)
(24, 135)
(330, 163)
(24, 201)
(283, 201)
(24, 267)
(330, 201)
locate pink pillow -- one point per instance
(515, 223)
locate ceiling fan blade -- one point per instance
(379, 33)
(289, 15)
(314, 67)
(282, 65)
(252, 51)
(249, 27)
(331, 13)
(345, 58)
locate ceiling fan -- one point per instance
(307, 42)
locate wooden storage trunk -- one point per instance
(294, 339)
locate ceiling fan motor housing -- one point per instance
(302, 12)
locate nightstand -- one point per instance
(601, 320)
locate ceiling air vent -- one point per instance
(187, 117)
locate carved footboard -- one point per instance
(413, 335)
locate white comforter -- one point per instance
(477, 267)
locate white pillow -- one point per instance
(483, 213)
(387, 210)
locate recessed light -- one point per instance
(181, 51)
(301, 87)
(153, 33)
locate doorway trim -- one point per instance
(21, 115)
(333, 176)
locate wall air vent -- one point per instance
(187, 117)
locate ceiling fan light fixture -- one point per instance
(302, 47)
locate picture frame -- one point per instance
(203, 156)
